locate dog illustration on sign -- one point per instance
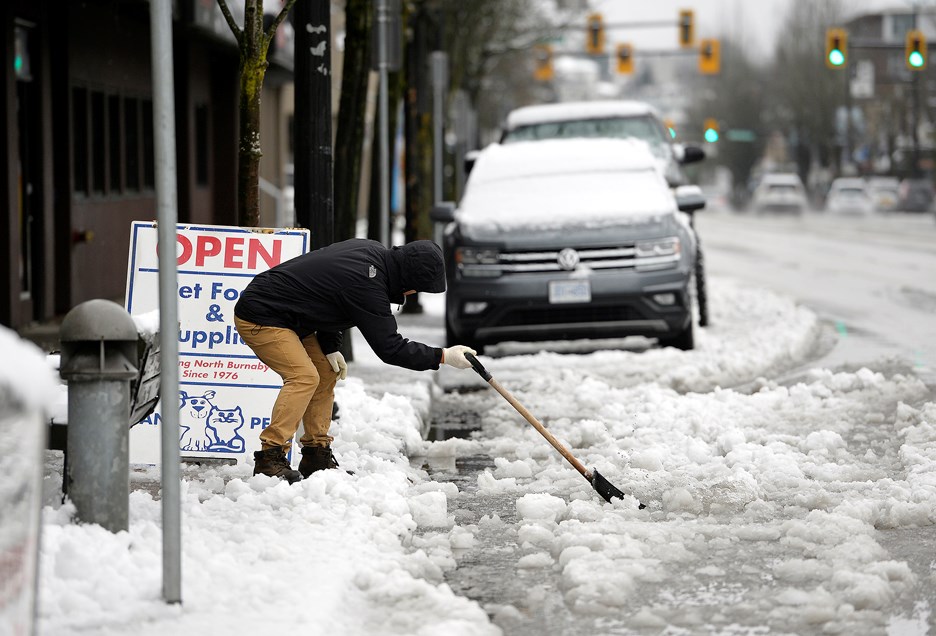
(207, 427)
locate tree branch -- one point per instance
(226, 12)
(279, 19)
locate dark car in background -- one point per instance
(916, 195)
(567, 239)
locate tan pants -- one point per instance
(308, 384)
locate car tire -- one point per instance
(684, 340)
(701, 293)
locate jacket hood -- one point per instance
(421, 268)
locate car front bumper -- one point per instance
(517, 307)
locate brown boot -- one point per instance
(272, 462)
(316, 458)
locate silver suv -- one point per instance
(567, 239)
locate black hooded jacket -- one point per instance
(349, 284)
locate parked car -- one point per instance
(613, 119)
(616, 119)
(849, 195)
(884, 193)
(569, 239)
(916, 195)
(780, 192)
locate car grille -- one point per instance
(609, 258)
(556, 315)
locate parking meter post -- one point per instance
(99, 352)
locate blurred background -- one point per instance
(813, 90)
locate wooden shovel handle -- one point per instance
(542, 429)
(479, 368)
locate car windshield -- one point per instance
(639, 127)
(782, 188)
(852, 192)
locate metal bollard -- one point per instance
(99, 350)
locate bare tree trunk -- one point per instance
(248, 150)
(253, 43)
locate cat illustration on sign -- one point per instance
(207, 427)
(222, 428)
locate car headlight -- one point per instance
(479, 262)
(657, 253)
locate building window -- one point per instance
(80, 140)
(115, 157)
(149, 151)
(201, 144)
(113, 145)
(98, 145)
(900, 24)
(132, 142)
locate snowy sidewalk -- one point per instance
(336, 553)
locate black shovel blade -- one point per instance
(606, 489)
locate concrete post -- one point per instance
(99, 340)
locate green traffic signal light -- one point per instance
(916, 59)
(836, 57)
(711, 135)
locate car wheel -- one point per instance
(684, 340)
(701, 293)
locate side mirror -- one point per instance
(691, 154)
(689, 198)
(443, 212)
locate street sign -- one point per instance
(741, 135)
(226, 394)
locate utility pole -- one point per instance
(313, 121)
(383, 27)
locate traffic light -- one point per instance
(543, 58)
(915, 50)
(670, 127)
(595, 36)
(711, 130)
(710, 57)
(686, 29)
(625, 59)
(836, 48)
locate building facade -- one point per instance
(78, 164)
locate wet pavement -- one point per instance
(521, 602)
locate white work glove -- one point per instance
(338, 365)
(455, 356)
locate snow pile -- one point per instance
(335, 553)
(26, 382)
(803, 468)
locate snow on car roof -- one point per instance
(564, 182)
(782, 177)
(561, 156)
(569, 111)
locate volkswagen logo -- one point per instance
(568, 258)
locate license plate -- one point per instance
(569, 291)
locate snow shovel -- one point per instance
(604, 487)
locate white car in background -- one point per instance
(849, 195)
(780, 192)
(884, 193)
